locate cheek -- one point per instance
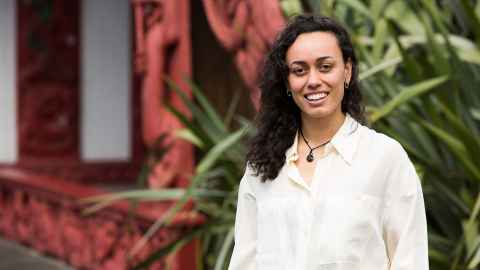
(340, 94)
(296, 84)
(335, 80)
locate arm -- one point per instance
(243, 257)
(405, 226)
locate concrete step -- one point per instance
(16, 257)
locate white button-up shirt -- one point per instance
(363, 210)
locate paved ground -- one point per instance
(16, 257)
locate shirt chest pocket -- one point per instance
(346, 225)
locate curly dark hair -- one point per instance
(279, 117)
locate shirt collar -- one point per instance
(292, 154)
(345, 141)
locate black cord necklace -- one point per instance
(310, 156)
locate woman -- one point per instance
(321, 190)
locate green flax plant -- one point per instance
(420, 73)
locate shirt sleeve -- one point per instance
(405, 226)
(244, 251)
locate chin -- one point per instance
(318, 113)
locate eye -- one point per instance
(299, 71)
(325, 67)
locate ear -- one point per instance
(348, 70)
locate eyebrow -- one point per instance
(316, 60)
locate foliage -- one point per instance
(420, 74)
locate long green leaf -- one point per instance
(381, 35)
(190, 125)
(220, 262)
(207, 162)
(189, 136)
(475, 113)
(475, 260)
(407, 94)
(473, 20)
(358, 6)
(207, 107)
(376, 8)
(457, 147)
(380, 67)
(172, 247)
(204, 120)
(291, 7)
(146, 195)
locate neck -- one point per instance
(320, 130)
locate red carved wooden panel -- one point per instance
(163, 50)
(43, 213)
(48, 79)
(48, 94)
(244, 28)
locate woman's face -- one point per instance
(317, 74)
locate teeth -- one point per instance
(316, 96)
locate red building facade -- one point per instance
(52, 170)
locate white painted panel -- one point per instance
(105, 110)
(8, 108)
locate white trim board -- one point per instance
(106, 80)
(8, 105)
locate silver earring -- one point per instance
(346, 85)
(289, 93)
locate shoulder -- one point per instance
(394, 160)
(382, 145)
(249, 180)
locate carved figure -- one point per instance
(246, 28)
(48, 58)
(163, 51)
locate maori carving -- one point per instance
(48, 58)
(246, 28)
(163, 52)
(86, 173)
(49, 97)
(48, 122)
(54, 225)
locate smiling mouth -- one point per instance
(316, 96)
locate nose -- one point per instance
(314, 80)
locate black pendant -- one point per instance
(310, 157)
